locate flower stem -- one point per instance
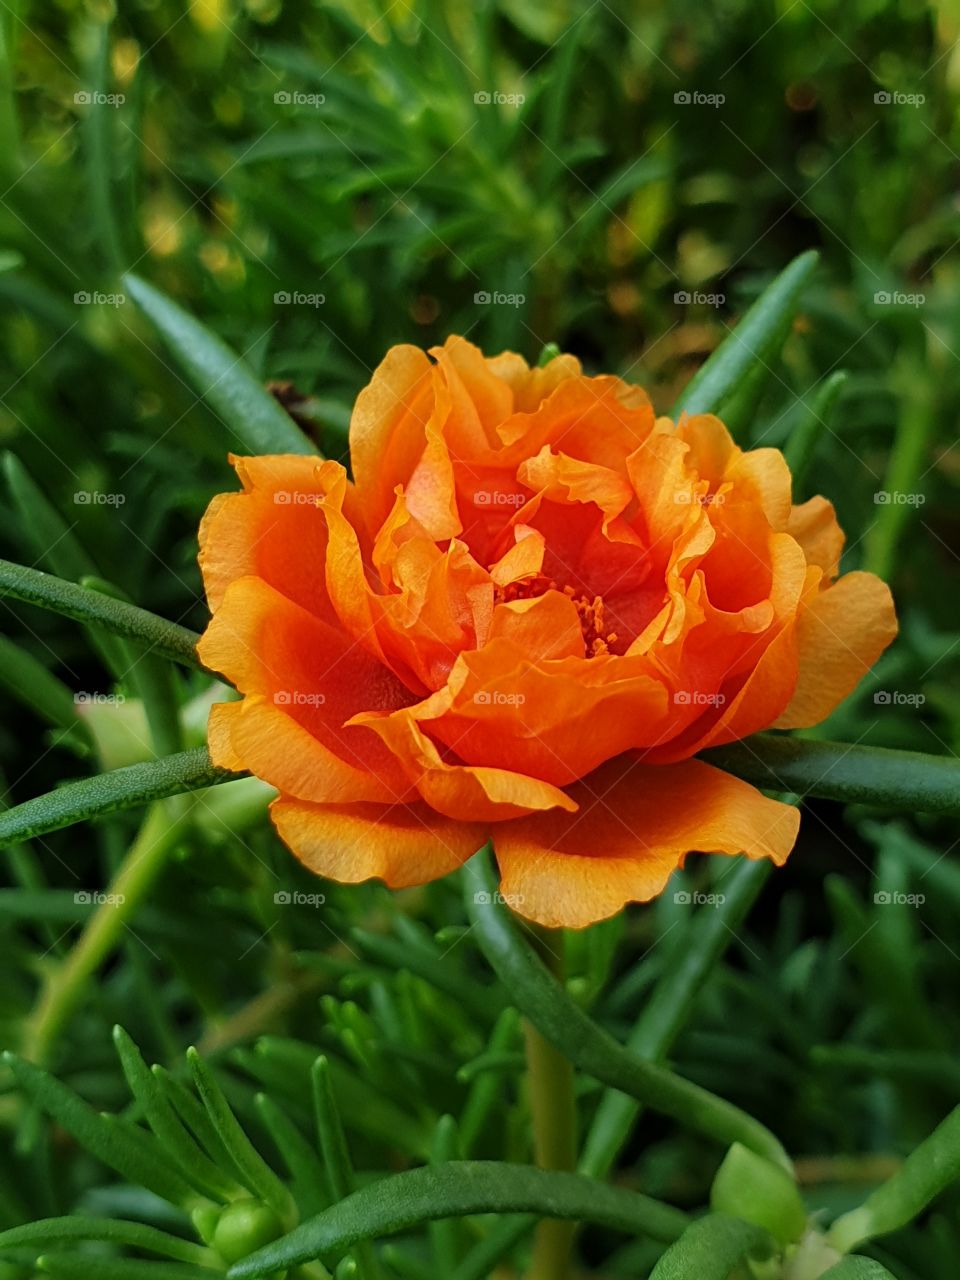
(66, 984)
(553, 1109)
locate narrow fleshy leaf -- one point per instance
(457, 1189)
(711, 1248)
(255, 421)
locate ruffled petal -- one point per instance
(840, 635)
(634, 827)
(401, 844)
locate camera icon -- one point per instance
(482, 898)
(282, 98)
(882, 98)
(282, 498)
(683, 899)
(881, 299)
(82, 299)
(83, 898)
(482, 299)
(482, 99)
(83, 98)
(883, 898)
(682, 98)
(881, 498)
(882, 698)
(483, 698)
(282, 698)
(82, 497)
(682, 298)
(682, 698)
(281, 299)
(282, 898)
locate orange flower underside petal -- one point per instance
(401, 844)
(635, 825)
(840, 635)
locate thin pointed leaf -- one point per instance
(458, 1189)
(755, 341)
(250, 413)
(804, 438)
(53, 1231)
(855, 1268)
(905, 780)
(587, 1045)
(254, 1171)
(69, 1266)
(166, 639)
(142, 1163)
(134, 784)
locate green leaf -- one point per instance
(164, 1122)
(57, 548)
(754, 343)
(905, 780)
(141, 1162)
(305, 1166)
(70, 1266)
(248, 411)
(57, 1230)
(555, 1015)
(457, 1189)
(254, 1171)
(134, 784)
(670, 1005)
(856, 1268)
(29, 681)
(749, 1187)
(711, 1248)
(166, 639)
(804, 438)
(927, 1171)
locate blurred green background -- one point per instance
(318, 181)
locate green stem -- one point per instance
(66, 984)
(554, 1114)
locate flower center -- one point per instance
(596, 636)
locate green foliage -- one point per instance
(360, 1068)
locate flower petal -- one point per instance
(401, 844)
(840, 635)
(635, 825)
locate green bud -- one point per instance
(205, 1222)
(749, 1187)
(244, 1226)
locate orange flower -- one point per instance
(531, 607)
